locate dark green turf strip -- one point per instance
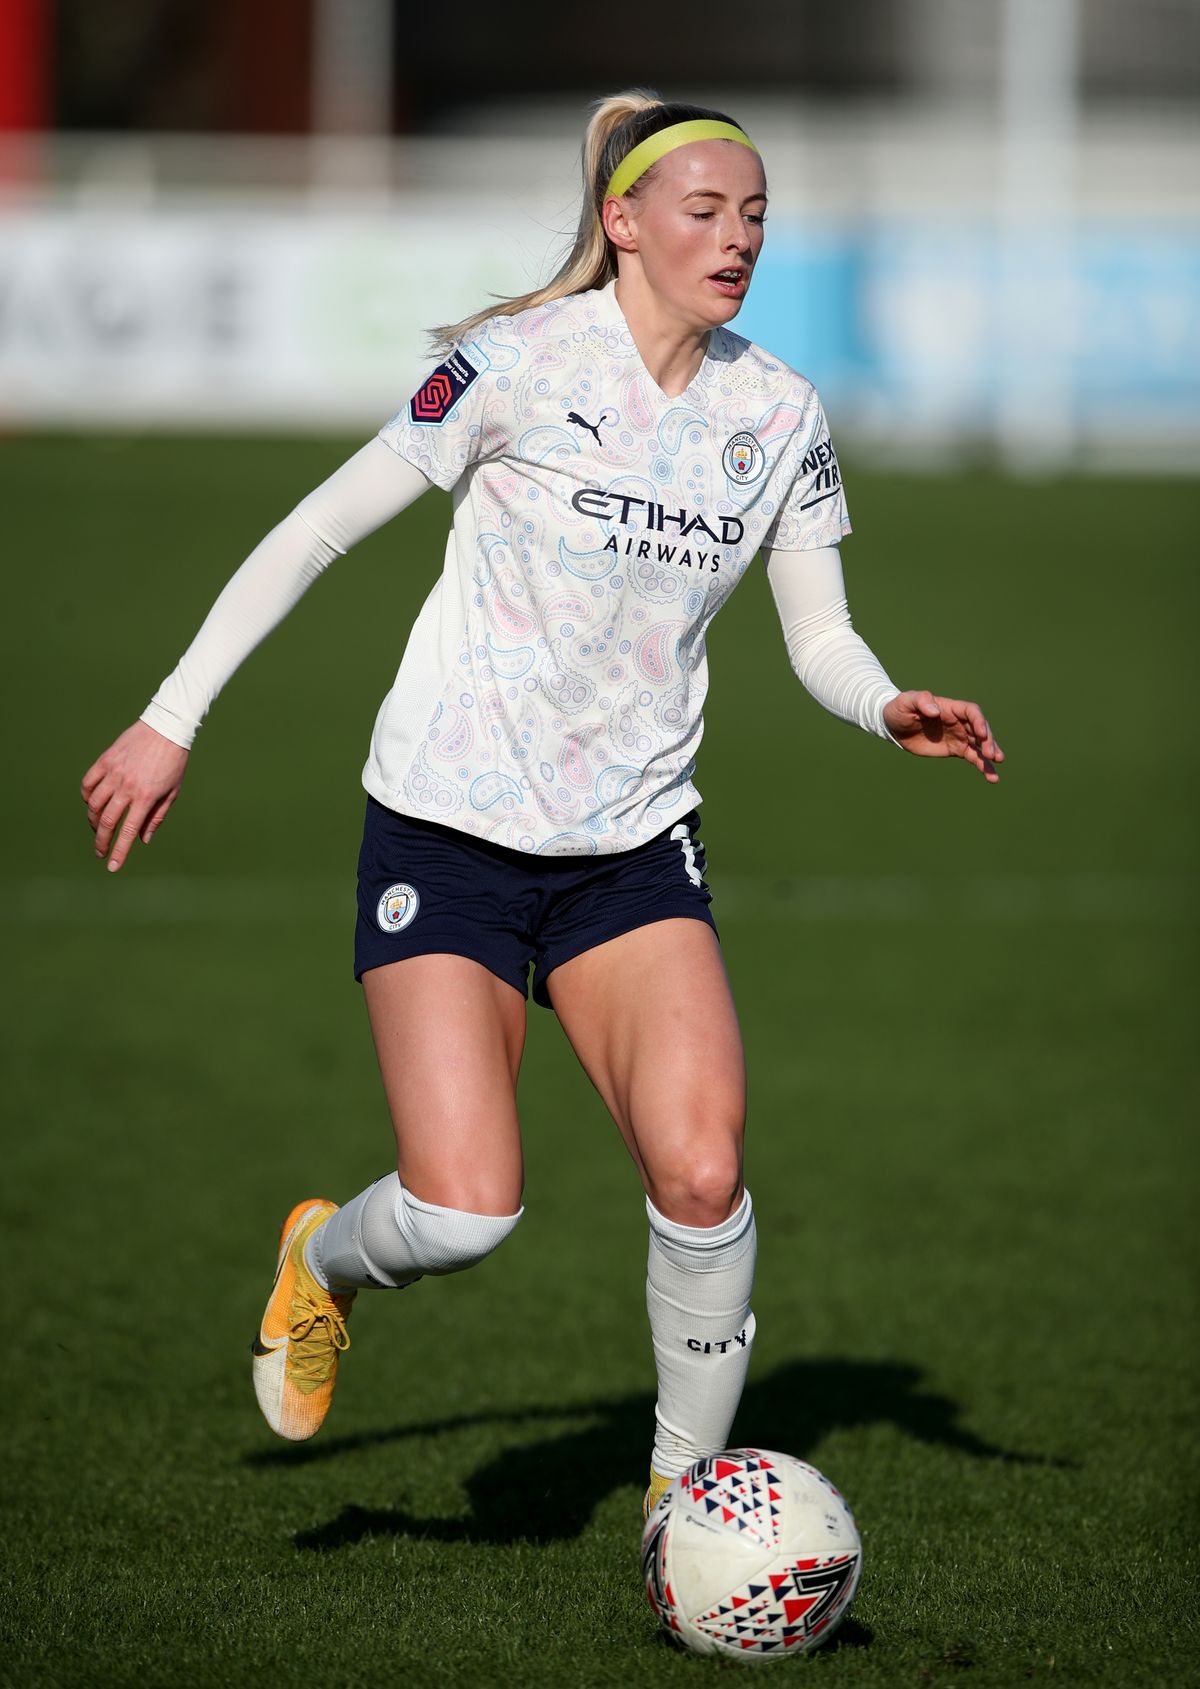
(971, 1131)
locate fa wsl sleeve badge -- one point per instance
(438, 394)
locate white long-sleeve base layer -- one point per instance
(831, 660)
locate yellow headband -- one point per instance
(637, 162)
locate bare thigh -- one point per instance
(449, 1037)
(651, 1017)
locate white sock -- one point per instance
(698, 1281)
(385, 1237)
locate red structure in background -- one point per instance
(24, 65)
(25, 89)
(261, 55)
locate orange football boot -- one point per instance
(302, 1336)
(657, 1488)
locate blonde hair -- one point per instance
(617, 125)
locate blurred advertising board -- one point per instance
(920, 337)
(941, 333)
(248, 319)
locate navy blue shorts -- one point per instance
(424, 889)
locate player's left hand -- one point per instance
(930, 726)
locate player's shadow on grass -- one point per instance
(547, 1487)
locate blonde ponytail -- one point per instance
(617, 125)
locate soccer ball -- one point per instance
(753, 1554)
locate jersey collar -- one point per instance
(610, 315)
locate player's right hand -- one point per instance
(138, 777)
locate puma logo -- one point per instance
(592, 427)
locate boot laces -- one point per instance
(315, 1337)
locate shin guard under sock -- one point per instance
(698, 1283)
(385, 1237)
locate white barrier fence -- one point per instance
(926, 337)
(239, 318)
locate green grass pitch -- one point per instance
(970, 1023)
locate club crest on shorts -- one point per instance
(397, 908)
(743, 459)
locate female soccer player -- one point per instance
(618, 458)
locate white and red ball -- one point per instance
(753, 1554)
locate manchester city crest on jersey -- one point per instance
(743, 459)
(397, 908)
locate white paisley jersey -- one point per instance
(551, 694)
